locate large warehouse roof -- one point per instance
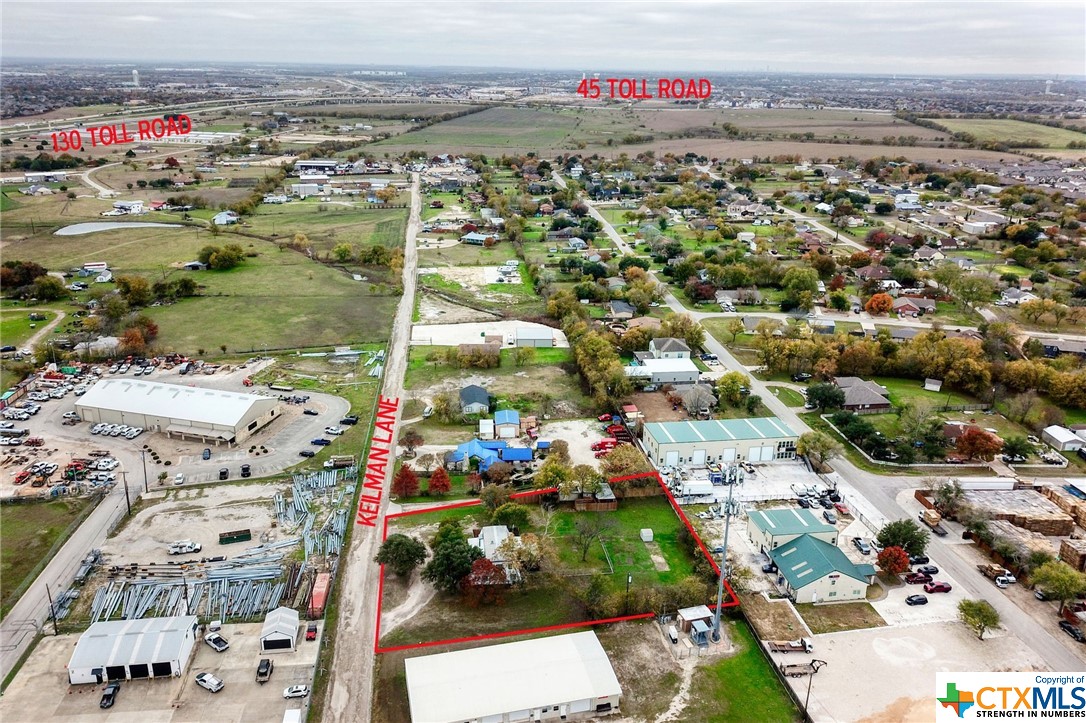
(788, 521)
(132, 642)
(471, 684)
(718, 430)
(211, 406)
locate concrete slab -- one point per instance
(453, 334)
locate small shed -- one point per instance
(933, 385)
(280, 633)
(486, 429)
(689, 616)
(646, 534)
(535, 336)
(507, 424)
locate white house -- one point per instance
(669, 348)
(133, 208)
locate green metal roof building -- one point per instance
(697, 443)
(769, 529)
(814, 571)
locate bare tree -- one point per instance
(588, 529)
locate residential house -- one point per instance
(621, 310)
(873, 271)
(738, 296)
(862, 396)
(615, 283)
(669, 348)
(1054, 347)
(913, 305)
(824, 208)
(225, 218)
(1015, 296)
(576, 244)
(927, 254)
(474, 238)
(474, 400)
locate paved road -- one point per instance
(880, 491)
(350, 689)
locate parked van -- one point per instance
(673, 634)
(427, 412)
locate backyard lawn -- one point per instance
(789, 396)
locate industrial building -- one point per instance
(209, 415)
(562, 677)
(280, 631)
(814, 571)
(666, 371)
(769, 529)
(697, 443)
(538, 336)
(128, 649)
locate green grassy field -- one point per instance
(466, 255)
(29, 531)
(15, 325)
(789, 396)
(422, 373)
(903, 391)
(1001, 129)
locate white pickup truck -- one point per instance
(184, 547)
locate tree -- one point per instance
(589, 528)
(826, 396)
(452, 560)
(425, 462)
(552, 474)
(410, 438)
(818, 447)
(474, 481)
(978, 615)
(484, 582)
(624, 460)
(512, 515)
(752, 403)
(683, 326)
(1059, 581)
(971, 289)
(523, 356)
(893, 560)
(446, 408)
(905, 534)
(735, 327)
(405, 483)
(1017, 447)
(499, 473)
(949, 496)
(975, 442)
(136, 290)
(401, 553)
(439, 484)
(49, 288)
(132, 341)
(559, 450)
(729, 387)
(879, 304)
(494, 496)
(343, 252)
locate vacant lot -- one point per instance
(29, 531)
(839, 616)
(1000, 129)
(513, 128)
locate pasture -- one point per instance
(1002, 130)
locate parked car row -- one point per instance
(116, 430)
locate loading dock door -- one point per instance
(698, 460)
(161, 670)
(755, 454)
(729, 455)
(671, 458)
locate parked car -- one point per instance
(109, 695)
(918, 560)
(826, 503)
(830, 517)
(1042, 594)
(916, 600)
(179, 478)
(308, 453)
(804, 503)
(863, 547)
(841, 508)
(264, 670)
(209, 681)
(801, 377)
(937, 586)
(310, 412)
(320, 442)
(349, 421)
(207, 453)
(1073, 630)
(769, 567)
(72, 415)
(224, 473)
(296, 691)
(928, 569)
(311, 631)
(217, 642)
(917, 578)
(334, 431)
(246, 470)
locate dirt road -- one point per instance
(350, 688)
(42, 333)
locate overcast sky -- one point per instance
(871, 36)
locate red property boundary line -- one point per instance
(731, 602)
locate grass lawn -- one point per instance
(903, 391)
(466, 255)
(15, 325)
(739, 688)
(30, 530)
(423, 373)
(789, 396)
(628, 553)
(1003, 129)
(839, 616)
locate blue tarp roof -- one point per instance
(507, 416)
(542, 444)
(517, 454)
(474, 450)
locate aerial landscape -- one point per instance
(542, 361)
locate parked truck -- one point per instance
(998, 574)
(339, 461)
(803, 645)
(931, 518)
(604, 444)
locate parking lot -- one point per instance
(41, 691)
(282, 440)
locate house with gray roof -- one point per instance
(474, 400)
(862, 396)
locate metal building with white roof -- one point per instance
(211, 415)
(563, 677)
(700, 442)
(127, 649)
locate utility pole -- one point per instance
(815, 666)
(143, 457)
(729, 510)
(127, 501)
(629, 579)
(52, 609)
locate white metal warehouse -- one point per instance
(697, 443)
(563, 677)
(127, 649)
(210, 415)
(280, 631)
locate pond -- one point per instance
(82, 228)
